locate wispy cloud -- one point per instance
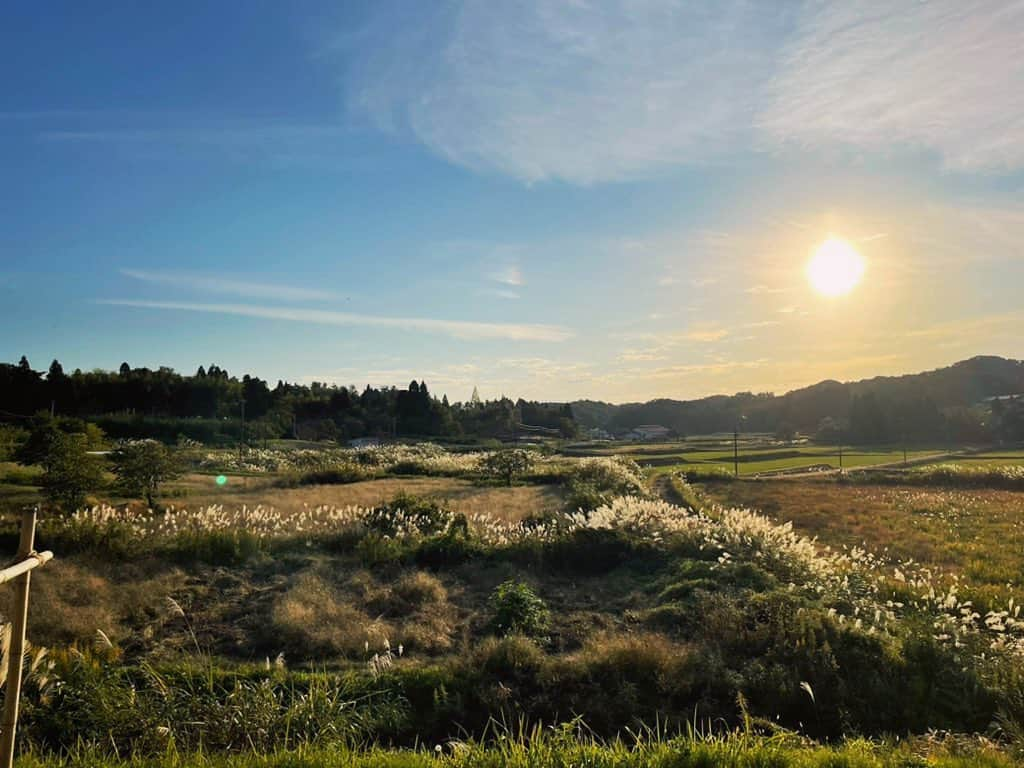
(214, 284)
(508, 275)
(642, 355)
(583, 92)
(944, 75)
(762, 290)
(598, 91)
(456, 328)
(500, 293)
(703, 335)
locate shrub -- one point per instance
(585, 497)
(614, 476)
(339, 474)
(406, 513)
(517, 609)
(506, 465)
(69, 471)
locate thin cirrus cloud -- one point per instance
(574, 91)
(593, 92)
(213, 284)
(946, 76)
(459, 329)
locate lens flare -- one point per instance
(222, 480)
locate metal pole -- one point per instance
(16, 651)
(840, 449)
(736, 451)
(241, 435)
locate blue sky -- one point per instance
(549, 199)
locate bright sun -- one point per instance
(835, 268)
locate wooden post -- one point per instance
(16, 651)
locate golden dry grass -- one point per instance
(463, 496)
(317, 615)
(978, 533)
(71, 600)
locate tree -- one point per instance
(69, 471)
(506, 464)
(785, 432)
(141, 466)
(39, 443)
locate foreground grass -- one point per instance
(567, 746)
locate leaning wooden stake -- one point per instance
(25, 561)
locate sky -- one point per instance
(612, 200)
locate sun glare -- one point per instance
(836, 268)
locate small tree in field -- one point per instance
(141, 467)
(69, 471)
(505, 465)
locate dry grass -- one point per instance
(319, 616)
(313, 618)
(71, 601)
(510, 504)
(977, 533)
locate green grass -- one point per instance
(776, 459)
(570, 745)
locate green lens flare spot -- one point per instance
(222, 479)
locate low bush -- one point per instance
(517, 609)
(407, 513)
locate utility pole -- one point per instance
(736, 445)
(53, 408)
(241, 434)
(736, 450)
(840, 448)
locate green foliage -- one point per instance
(86, 700)
(10, 438)
(37, 445)
(339, 474)
(69, 472)
(407, 512)
(141, 467)
(223, 548)
(517, 609)
(506, 465)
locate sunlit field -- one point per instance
(369, 581)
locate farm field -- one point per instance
(974, 534)
(372, 609)
(754, 462)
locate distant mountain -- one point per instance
(919, 403)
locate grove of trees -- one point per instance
(208, 405)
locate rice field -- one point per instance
(976, 535)
(756, 462)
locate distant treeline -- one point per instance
(954, 404)
(208, 406)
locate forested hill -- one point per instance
(935, 404)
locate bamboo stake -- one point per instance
(16, 652)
